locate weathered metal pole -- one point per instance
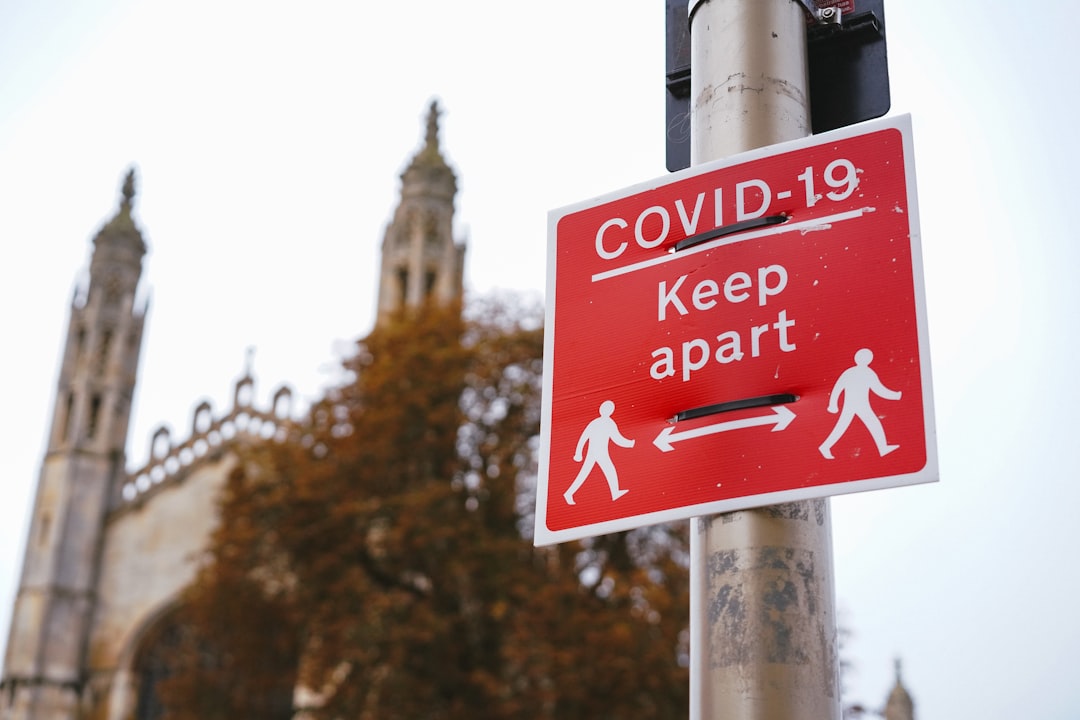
(763, 620)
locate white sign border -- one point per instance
(928, 473)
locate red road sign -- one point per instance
(808, 332)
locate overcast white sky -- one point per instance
(268, 140)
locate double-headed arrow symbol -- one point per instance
(780, 418)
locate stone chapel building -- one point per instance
(111, 548)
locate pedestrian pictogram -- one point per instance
(596, 436)
(712, 337)
(855, 386)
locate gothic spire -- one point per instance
(431, 140)
(899, 706)
(421, 262)
(121, 231)
(428, 173)
(128, 189)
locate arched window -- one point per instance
(178, 672)
(403, 286)
(95, 411)
(155, 663)
(65, 422)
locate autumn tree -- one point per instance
(381, 554)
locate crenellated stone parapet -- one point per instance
(169, 462)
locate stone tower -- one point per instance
(83, 460)
(421, 262)
(899, 706)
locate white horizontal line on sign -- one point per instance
(803, 226)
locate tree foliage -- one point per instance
(379, 556)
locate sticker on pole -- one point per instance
(742, 333)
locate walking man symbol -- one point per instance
(597, 434)
(855, 384)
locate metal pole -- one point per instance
(763, 619)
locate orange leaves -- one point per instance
(385, 541)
